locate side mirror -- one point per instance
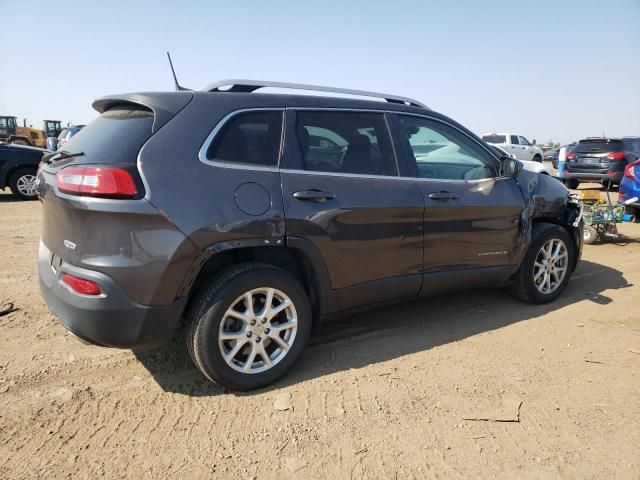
(534, 142)
(510, 167)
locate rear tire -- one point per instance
(530, 282)
(23, 184)
(589, 235)
(226, 336)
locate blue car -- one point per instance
(629, 192)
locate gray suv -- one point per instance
(252, 216)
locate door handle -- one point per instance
(442, 196)
(316, 195)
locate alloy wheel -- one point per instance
(27, 185)
(258, 330)
(550, 266)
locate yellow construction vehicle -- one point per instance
(10, 132)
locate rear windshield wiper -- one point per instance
(61, 155)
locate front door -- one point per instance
(342, 192)
(472, 216)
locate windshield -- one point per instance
(495, 138)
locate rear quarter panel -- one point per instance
(201, 199)
(125, 239)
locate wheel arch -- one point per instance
(295, 255)
(15, 168)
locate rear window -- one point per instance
(598, 145)
(495, 138)
(114, 137)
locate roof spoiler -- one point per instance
(164, 105)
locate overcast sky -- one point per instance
(545, 69)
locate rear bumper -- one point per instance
(111, 319)
(594, 177)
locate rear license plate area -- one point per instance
(56, 261)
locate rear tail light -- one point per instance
(616, 156)
(80, 285)
(630, 170)
(96, 181)
(571, 156)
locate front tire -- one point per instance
(23, 184)
(537, 158)
(547, 266)
(247, 328)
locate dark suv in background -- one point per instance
(600, 160)
(254, 215)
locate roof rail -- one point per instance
(237, 85)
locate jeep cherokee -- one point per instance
(253, 215)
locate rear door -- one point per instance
(472, 216)
(342, 192)
(517, 149)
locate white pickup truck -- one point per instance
(515, 144)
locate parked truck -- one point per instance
(516, 145)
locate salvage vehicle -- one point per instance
(18, 167)
(253, 216)
(515, 144)
(600, 159)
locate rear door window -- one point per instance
(345, 142)
(514, 140)
(250, 138)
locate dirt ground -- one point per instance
(380, 395)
